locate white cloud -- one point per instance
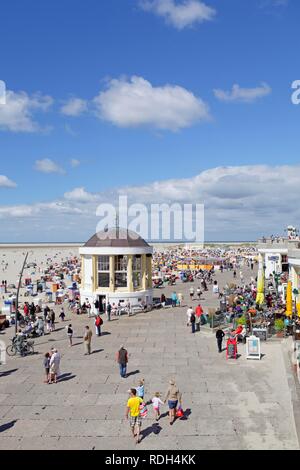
(241, 202)
(5, 182)
(74, 107)
(180, 14)
(136, 102)
(17, 114)
(80, 195)
(48, 166)
(75, 163)
(244, 95)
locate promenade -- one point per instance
(230, 404)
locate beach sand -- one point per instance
(12, 259)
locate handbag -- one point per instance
(179, 413)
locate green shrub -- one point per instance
(279, 325)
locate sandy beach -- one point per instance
(12, 259)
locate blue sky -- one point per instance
(71, 49)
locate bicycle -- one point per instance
(24, 349)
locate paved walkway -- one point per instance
(232, 404)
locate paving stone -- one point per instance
(229, 404)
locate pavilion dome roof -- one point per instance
(116, 238)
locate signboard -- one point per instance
(253, 348)
(261, 333)
(273, 258)
(231, 349)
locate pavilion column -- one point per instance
(130, 274)
(95, 273)
(82, 273)
(112, 273)
(144, 272)
(149, 271)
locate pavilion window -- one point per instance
(137, 271)
(103, 271)
(121, 263)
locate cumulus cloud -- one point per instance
(244, 95)
(136, 102)
(241, 203)
(74, 107)
(16, 115)
(5, 182)
(80, 195)
(180, 14)
(48, 166)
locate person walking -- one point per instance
(122, 360)
(70, 334)
(87, 341)
(54, 366)
(199, 293)
(133, 409)
(108, 310)
(189, 313)
(163, 300)
(98, 324)
(140, 390)
(62, 315)
(198, 314)
(173, 396)
(52, 314)
(48, 323)
(97, 306)
(192, 292)
(193, 322)
(46, 364)
(157, 402)
(220, 335)
(174, 299)
(88, 308)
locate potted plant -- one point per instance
(279, 327)
(242, 320)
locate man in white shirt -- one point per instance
(189, 313)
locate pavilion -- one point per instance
(116, 267)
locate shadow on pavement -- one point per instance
(8, 372)
(66, 377)
(154, 429)
(186, 415)
(7, 426)
(132, 373)
(97, 351)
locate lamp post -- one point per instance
(18, 293)
(264, 268)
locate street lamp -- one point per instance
(264, 268)
(18, 293)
